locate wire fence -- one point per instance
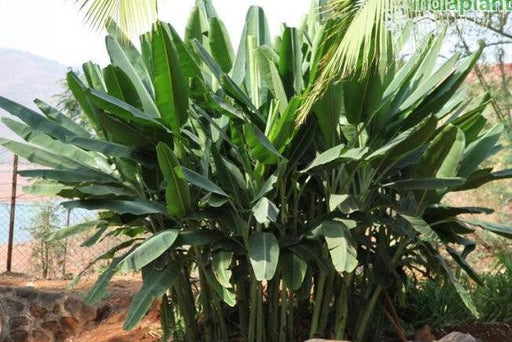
(34, 219)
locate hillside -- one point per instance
(24, 76)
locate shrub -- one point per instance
(435, 302)
(244, 222)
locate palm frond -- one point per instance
(358, 36)
(132, 16)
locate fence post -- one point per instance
(65, 254)
(13, 211)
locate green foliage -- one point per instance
(66, 104)
(196, 156)
(48, 256)
(435, 302)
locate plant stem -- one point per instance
(398, 329)
(204, 297)
(324, 315)
(243, 308)
(319, 294)
(167, 319)
(260, 327)
(273, 308)
(394, 316)
(282, 319)
(291, 310)
(223, 330)
(253, 311)
(186, 310)
(342, 307)
(363, 323)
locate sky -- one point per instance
(54, 29)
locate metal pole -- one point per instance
(13, 212)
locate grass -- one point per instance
(436, 303)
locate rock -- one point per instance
(31, 315)
(19, 335)
(48, 299)
(70, 323)
(18, 322)
(77, 309)
(103, 312)
(322, 340)
(40, 336)
(4, 290)
(424, 335)
(27, 293)
(73, 304)
(89, 313)
(57, 309)
(37, 311)
(458, 337)
(13, 306)
(51, 326)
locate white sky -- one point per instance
(54, 28)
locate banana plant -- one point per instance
(406, 136)
(242, 222)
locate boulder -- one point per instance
(322, 340)
(458, 337)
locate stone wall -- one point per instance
(30, 315)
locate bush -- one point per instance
(435, 302)
(244, 222)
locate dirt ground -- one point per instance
(122, 289)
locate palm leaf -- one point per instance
(358, 36)
(131, 15)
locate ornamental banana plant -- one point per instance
(244, 224)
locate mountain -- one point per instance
(24, 77)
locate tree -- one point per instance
(68, 105)
(48, 257)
